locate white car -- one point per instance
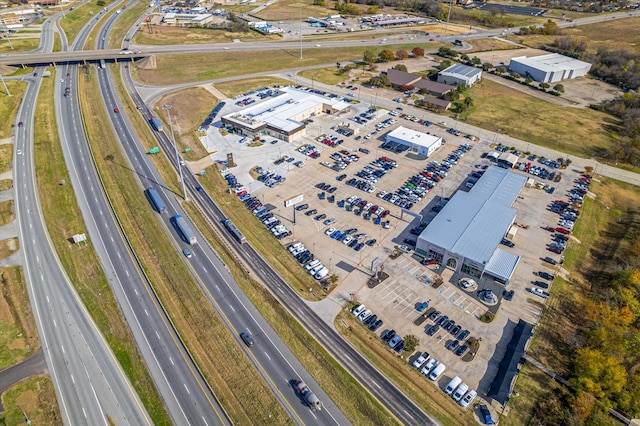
(312, 264)
(329, 231)
(468, 398)
(321, 273)
(347, 239)
(429, 366)
(460, 391)
(358, 310)
(364, 314)
(404, 248)
(424, 356)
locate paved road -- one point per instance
(31, 366)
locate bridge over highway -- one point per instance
(69, 57)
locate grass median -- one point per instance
(236, 383)
(9, 107)
(73, 21)
(63, 218)
(33, 398)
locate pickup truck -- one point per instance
(538, 292)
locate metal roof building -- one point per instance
(419, 142)
(460, 74)
(549, 68)
(466, 234)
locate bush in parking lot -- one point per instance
(411, 342)
(487, 316)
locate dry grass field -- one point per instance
(505, 110)
(165, 35)
(9, 107)
(232, 88)
(34, 397)
(486, 44)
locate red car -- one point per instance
(549, 228)
(563, 231)
(385, 214)
(116, 110)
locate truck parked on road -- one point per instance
(156, 200)
(183, 228)
(310, 398)
(156, 123)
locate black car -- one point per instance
(341, 177)
(434, 315)
(247, 339)
(371, 242)
(507, 242)
(549, 260)
(432, 329)
(332, 190)
(455, 330)
(442, 320)
(311, 212)
(546, 275)
(302, 207)
(410, 242)
(508, 295)
(448, 325)
(320, 216)
(461, 350)
(463, 335)
(388, 335)
(371, 319)
(376, 325)
(452, 345)
(320, 185)
(540, 284)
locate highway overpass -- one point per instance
(68, 57)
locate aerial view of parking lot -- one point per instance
(306, 213)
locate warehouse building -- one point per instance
(460, 74)
(549, 68)
(465, 236)
(283, 116)
(415, 141)
(507, 160)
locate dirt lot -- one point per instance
(395, 299)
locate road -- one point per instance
(31, 366)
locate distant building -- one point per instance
(437, 103)
(400, 79)
(507, 160)
(419, 142)
(550, 68)
(460, 74)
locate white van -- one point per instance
(460, 391)
(312, 264)
(316, 268)
(437, 372)
(468, 398)
(321, 273)
(358, 310)
(426, 369)
(452, 385)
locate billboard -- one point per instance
(293, 200)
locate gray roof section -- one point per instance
(552, 62)
(472, 224)
(499, 185)
(502, 264)
(461, 71)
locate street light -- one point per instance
(168, 107)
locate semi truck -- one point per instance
(183, 228)
(156, 200)
(156, 123)
(310, 398)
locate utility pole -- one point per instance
(6, 89)
(6, 31)
(168, 107)
(300, 32)
(446, 26)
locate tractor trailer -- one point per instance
(310, 398)
(183, 228)
(156, 123)
(156, 200)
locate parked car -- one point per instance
(424, 357)
(550, 260)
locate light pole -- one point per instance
(167, 107)
(300, 32)
(446, 26)
(6, 89)
(6, 31)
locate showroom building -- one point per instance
(550, 68)
(465, 236)
(283, 116)
(418, 142)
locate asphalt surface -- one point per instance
(31, 366)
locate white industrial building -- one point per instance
(282, 116)
(460, 74)
(465, 236)
(419, 142)
(549, 68)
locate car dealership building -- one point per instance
(465, 236)
(419, 142)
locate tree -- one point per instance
(487, 66)
(402, 54)
(411, 342)
(100, 3)
(418, 52)
(444, 64)
(399, 67)
(387, 55)
(369, 57)
(319, 3)
(465, 58)
(500, 70)
(528, 81)
(372, 10)
(476, 61)
(349, 9)
(559, 88)
(550, 28)
(544, 86)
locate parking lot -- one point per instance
(410, 283)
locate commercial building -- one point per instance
(282, 116)
(549, 68)
(465, 236)
(401, 80)
(418, 142)
(460, 74)
(507, 160)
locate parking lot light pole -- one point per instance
(168, 107)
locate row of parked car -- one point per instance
(267, 218)
(329, 140)
(350, 238)
(313, 266)
(269, 177)
(367, 317)
(310, 150)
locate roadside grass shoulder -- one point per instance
(18, 334)
(236, 383)
(8, 110)
(326, 75)
(124, 22)
(501, 109)
(33, 397)
(73, 21)
(7, 212)
(6, 184)
(487, 44)
(63, 218)
(164, 35)
(532, 386)
(19, 45)
(8, 247)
